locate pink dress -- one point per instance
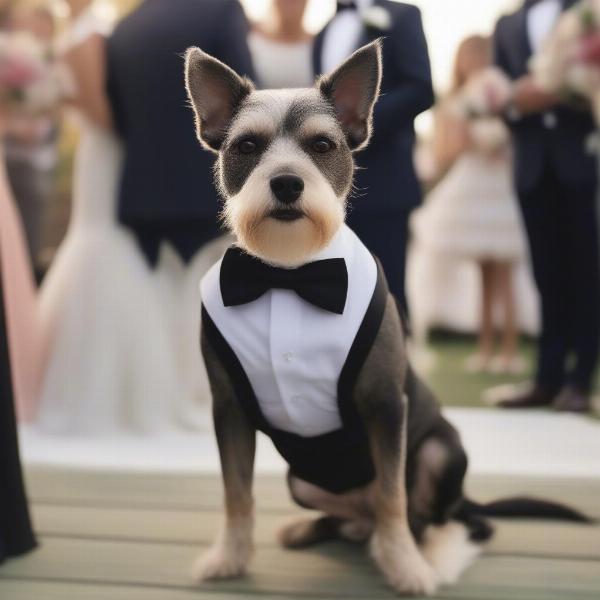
(20, 302)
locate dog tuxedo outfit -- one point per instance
(293, 342)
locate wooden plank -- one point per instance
(580, 493)
(334, 570)
(184, 492)
(545, 539)
(195, 527)
(52, 590)
(144, 490)
(60, 590)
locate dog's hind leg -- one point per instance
(435, 495)
(346, 516)
(383, 406)
(303, 532)
(435, 475)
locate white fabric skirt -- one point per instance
(472, 213)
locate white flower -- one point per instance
(377, 17)
(551, 65)
(486, 93)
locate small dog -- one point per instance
(364, 437)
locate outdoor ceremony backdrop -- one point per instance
(446, 22)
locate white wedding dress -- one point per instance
(111, 363)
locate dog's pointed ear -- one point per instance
(215, 92)
(353, 89)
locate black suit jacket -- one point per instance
(167, 177)
(386, 181)
(555, 139)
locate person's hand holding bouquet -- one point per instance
(569, 63)
(480, 102)
(485, 94)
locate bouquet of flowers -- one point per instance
(30, 82)
(569, 62)
(480, 100)
(485, 94)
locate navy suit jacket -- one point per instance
(167, 176)
(560, 146)
(386, 181)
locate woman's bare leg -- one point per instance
(486, 332)
(480, 361)
(505, 295)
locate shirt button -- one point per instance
(550, 120)
(288, 356)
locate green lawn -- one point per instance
(455, 387)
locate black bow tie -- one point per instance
(345, 6)
(244, 279)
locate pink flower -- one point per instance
(589, 49)
(17, 74)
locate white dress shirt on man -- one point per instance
(343, 35)
(541, 20)
(291, 351)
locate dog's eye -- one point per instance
(322, 145)
(247, 146)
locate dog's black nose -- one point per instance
(287, 188)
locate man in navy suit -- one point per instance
(167, 191)
(386, 184)
(556, 182)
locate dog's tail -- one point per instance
(523, 507)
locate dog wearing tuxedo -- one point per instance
(303, 341)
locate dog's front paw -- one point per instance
(221, 562)
(402, 565)
(228, 558)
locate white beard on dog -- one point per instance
(291, 351)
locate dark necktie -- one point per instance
(345, 6)
(323, 283)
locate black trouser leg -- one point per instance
(583, 271)
(387, 238)
(16, 535)
(542, 214)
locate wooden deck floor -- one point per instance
(133, 537)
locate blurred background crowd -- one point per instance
(478, 193)
(120, 216)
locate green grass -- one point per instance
(455, 387)
(448, 378)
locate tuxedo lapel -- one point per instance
(370, 34)
(317, 51)
(522, 36)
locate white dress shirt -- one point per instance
(541, 19)
(343, 35)
(291, 351)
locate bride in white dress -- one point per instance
(110, 364)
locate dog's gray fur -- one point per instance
(399, 413)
